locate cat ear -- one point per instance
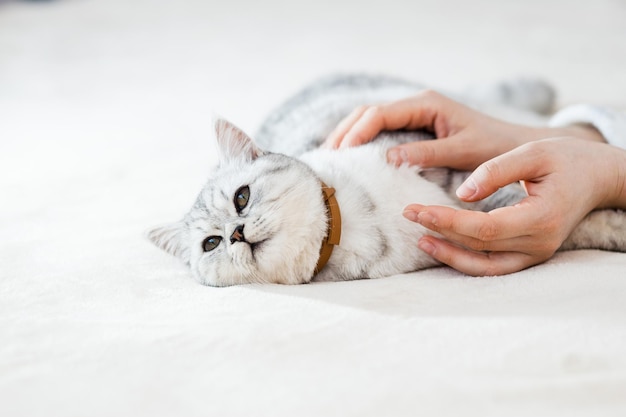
(171, 238)
(233, 143)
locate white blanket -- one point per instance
(104, 110)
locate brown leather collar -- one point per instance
(333, 234)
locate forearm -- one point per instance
(610, 126)
(598, 124)
(617, 182)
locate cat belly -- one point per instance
(376, 239)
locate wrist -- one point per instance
(581, 131)
(615, 184)
(610, 122)
(584, 131)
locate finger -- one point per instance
(447, 152)
(370, 124)
(499, 224)
(523, 243)
(404, 114)
(476, 263)
(420, 111)
(336, 136)
(523, 163)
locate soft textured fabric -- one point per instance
(610, 122)
(105, 112)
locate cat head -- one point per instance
(260, 218)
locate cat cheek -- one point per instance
(207, 268)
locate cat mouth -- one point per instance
(256, 246)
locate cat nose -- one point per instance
(237, 235)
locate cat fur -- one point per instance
(285, 219)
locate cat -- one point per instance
(280, 209)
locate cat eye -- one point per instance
(211, 243)
(241, 198)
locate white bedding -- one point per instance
(104, 110)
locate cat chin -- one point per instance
(255, 266)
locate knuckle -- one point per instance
(358, 139)
(534, 150)
(492, 170)
(485, 268)
(373, 112)
(356, 114)
(446, 257)
(425, 152)
(487, 231)
(429, 94)
(494, 266)
(361, 109)
(477, 245)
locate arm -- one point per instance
(565, 178)
(471, 137)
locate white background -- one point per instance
(104, 132)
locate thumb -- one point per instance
(501, 171)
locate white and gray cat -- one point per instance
(267, 211)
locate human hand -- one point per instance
(471, 137)
(565, 179)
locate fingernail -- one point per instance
(397, 156)
(411, 215)
(467, 189)
(426, 246)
